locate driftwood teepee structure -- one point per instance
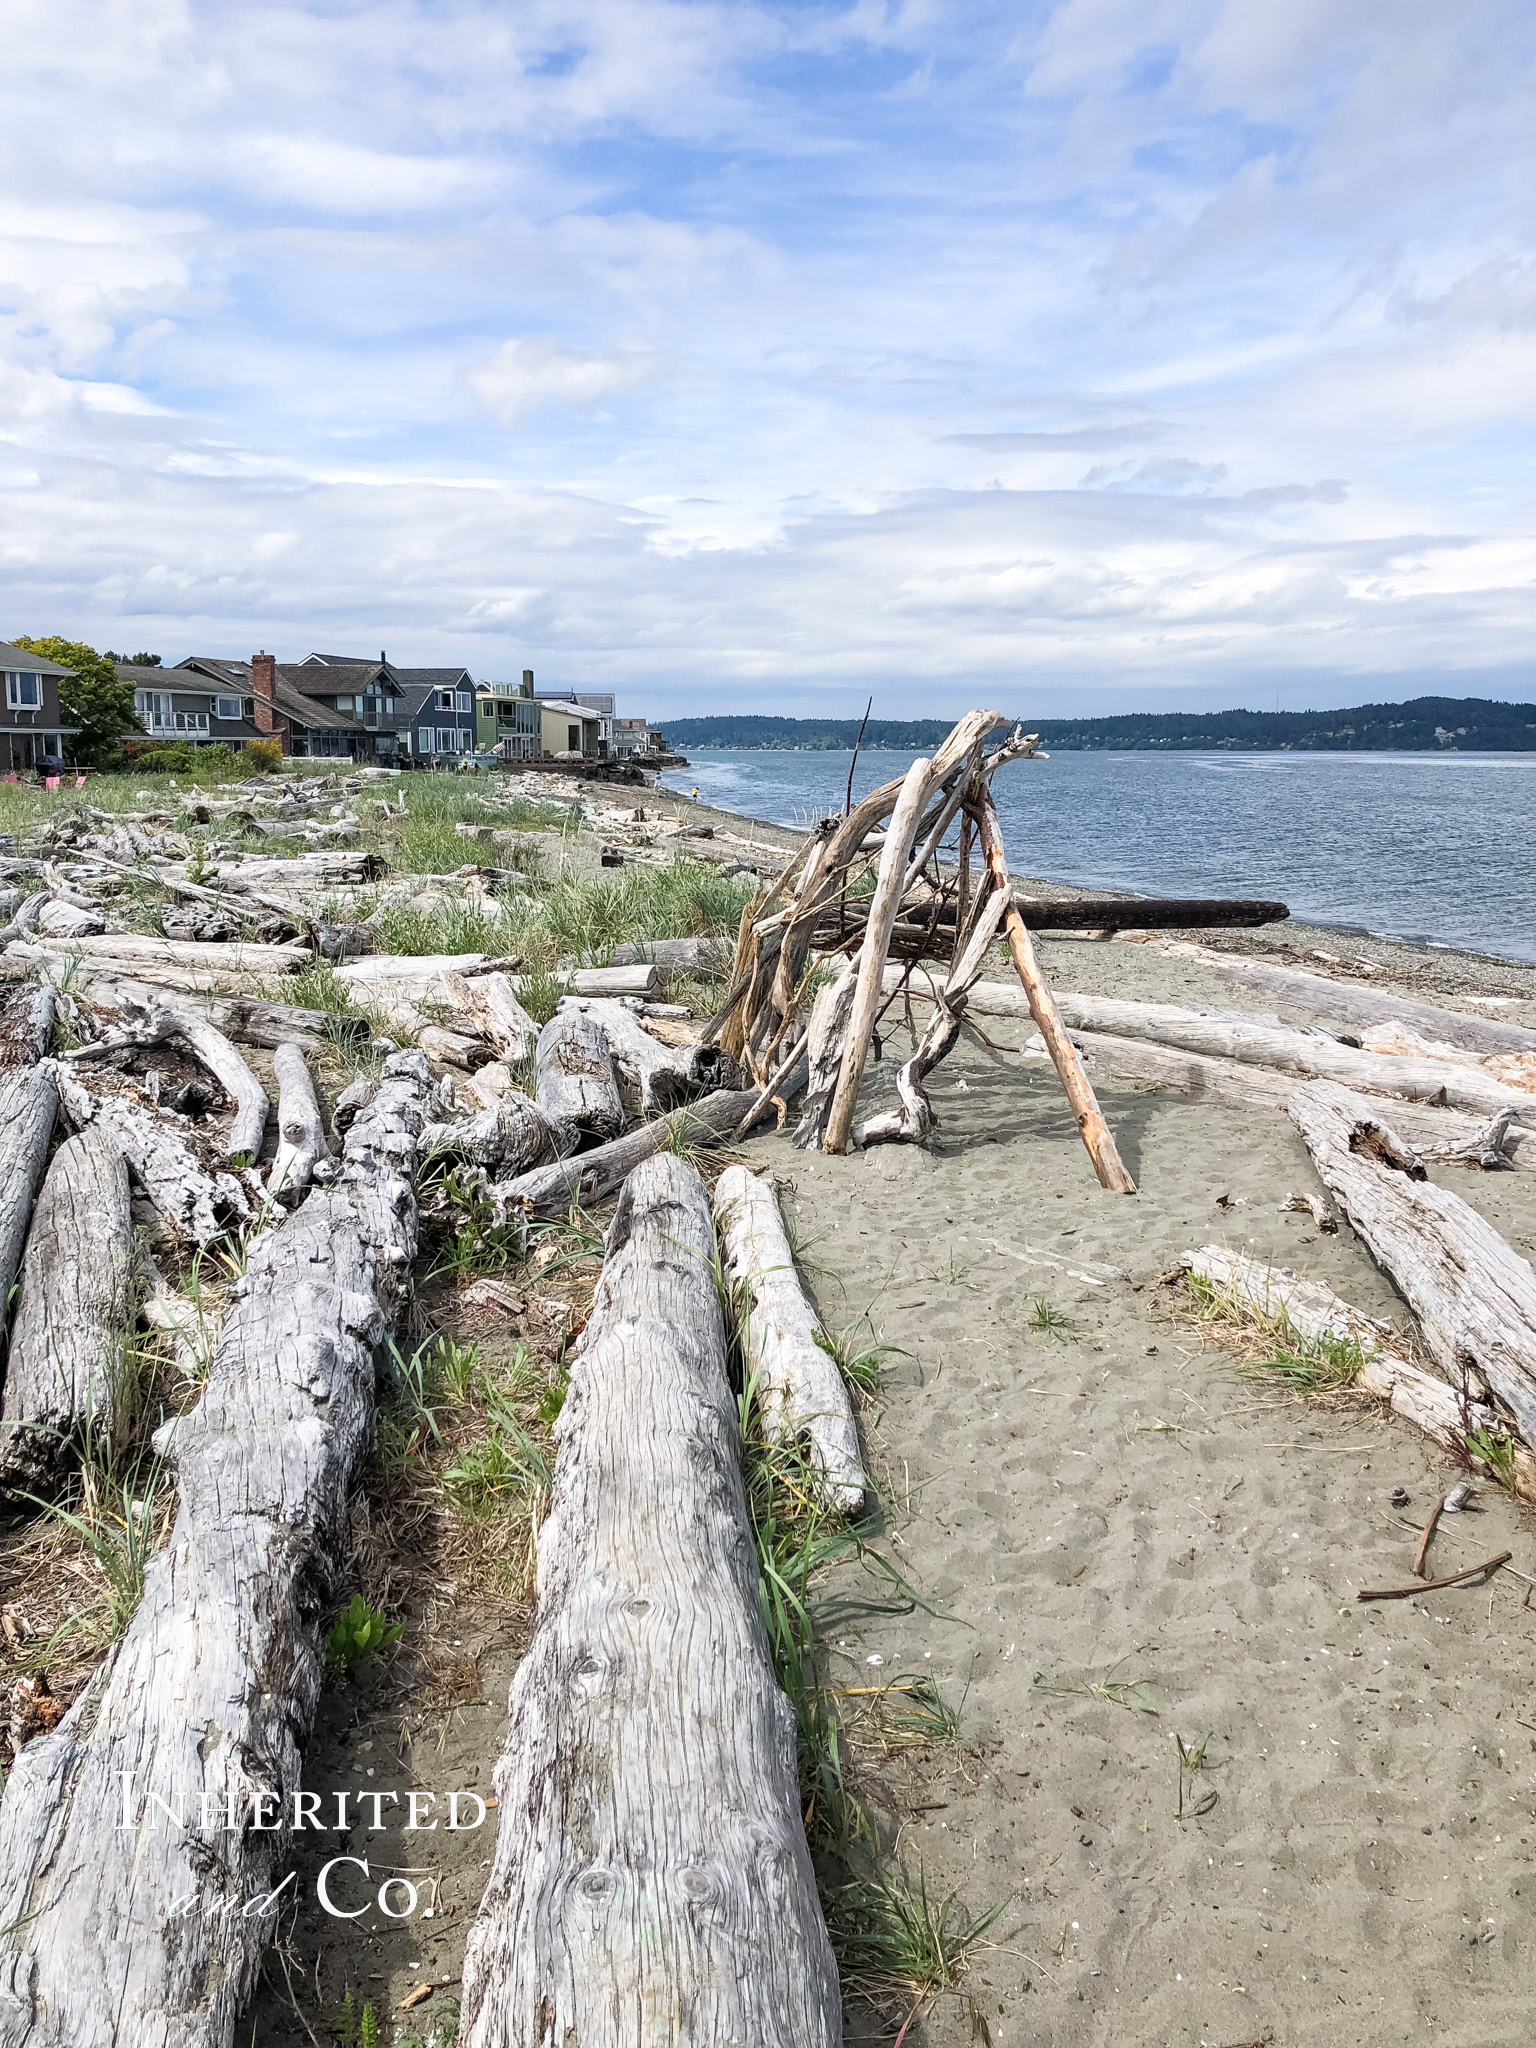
(921, 907)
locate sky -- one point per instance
(1109, 355)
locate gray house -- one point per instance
(201, 701)
(441, 703)
(31, 724)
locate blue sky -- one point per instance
(1099, 355)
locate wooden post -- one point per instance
(651, 1882)
(1042, 1007)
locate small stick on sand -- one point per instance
(1419, 1570)
(1489, 1564)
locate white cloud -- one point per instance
(536, 371)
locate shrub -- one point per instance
(263, 757)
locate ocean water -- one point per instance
(1436, 847)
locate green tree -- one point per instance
(91, 698)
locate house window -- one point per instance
(226, 707)
(445, 700)
(191, 721)
(23, 692)
(447, 739)
(466, 701)
(424, 740)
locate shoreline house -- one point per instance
(202, 702)
(30, 716)
(440, 706)
(519, 723)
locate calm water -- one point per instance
(1423, 846)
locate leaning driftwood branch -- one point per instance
(301, 1141)
(65, 1369)
(29, 1102)
(799, 1388)
(652, 1761)
(1474, 1296)
(205, 1701)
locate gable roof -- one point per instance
(435, 678)
(218, 667)
(307, 711)
(33, 664)
(334, 661)
(143, 676)
(331, 679)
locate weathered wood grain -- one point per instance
(65, 1368)
(577, 1088)
(799, 1388)
(195, 1205)
(1474, 1296)
(29, 1103)
(654, 1887)
(152, 1932)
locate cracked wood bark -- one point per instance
(65, 1368)
(577, 1088)
(656, 1886)
(664, 1076)
(1069, 1068)
(511, 1135)
(799, 1388)
(26, 1026)
(1474, 1296)
(153, 1934)
(1314, 1311)
(591, 1175)
(29, 1103)
(824, 1049)
(195, 1205)
(301, 1142)
(500, 1018)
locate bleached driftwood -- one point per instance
(657, 1884)
(29, 1103)
(1474, 1296)
(499, 1017)
(301, 1141)
(1230, 1036)
(577, 1088)
(26, 1024)
(65, 1368)
(825, 1033)
(136, 953)
(1359, 1006)
(511, 1136)
(799, 1388)
(207, 1044)
(196, 1206)
(663, 1075)
(550, 1190)
(246, 1019)
(453, 1048)
(206, 1699)
(1314, 1311)
(705, 956)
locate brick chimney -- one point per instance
(264, 692)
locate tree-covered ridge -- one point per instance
(1424, 724)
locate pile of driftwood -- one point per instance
(870, 888)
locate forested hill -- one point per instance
(1462, 724)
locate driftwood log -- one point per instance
(453, 1048)
(510, 1136)
(656, 1886)
(799, 1390)
(152, 1932)
(499, 1018)
(29, 1102)
(246, 1019)
(664, 1076)
(1314, 1311)
(551, 1190)
(196, 1206)
(1359, 1006)
(137, 953)
(702, 956)
(26, 1025)
(578, 1090)
(1474, 1296)
(65, 1371)
(824, 1051)
(302, 1149)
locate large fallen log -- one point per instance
(499, 1018)
(1436, 1133)
(26, 1025)
(196, 1206)
(1256, 1042)
(656, 1885)
(551, 1190)
(1359, 1006)
(1143, 913)
(29, 1103)
(1474, 1296)
(664, 1076)
(65, 1370)
(136, 953)
(124, 1925)
(1314, 1311)
(578, 1090)
(246, 1019)
(798, 1387)
(510, 1136)
(703, 956)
